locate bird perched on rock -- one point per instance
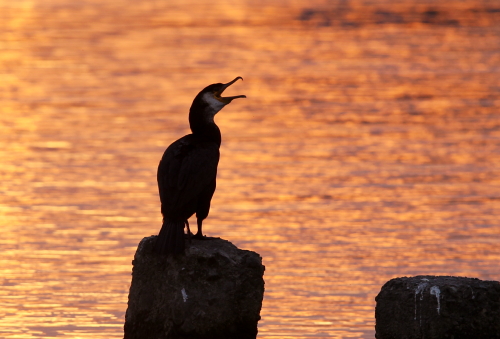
(188, 169)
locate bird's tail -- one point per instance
(171, 238)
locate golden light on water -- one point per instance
(367, 149)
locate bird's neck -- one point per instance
(205, 130)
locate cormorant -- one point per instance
(188, 169)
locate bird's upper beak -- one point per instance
(227, 100)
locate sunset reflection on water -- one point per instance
(367, 149)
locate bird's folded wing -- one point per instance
(185, 171)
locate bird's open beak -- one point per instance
(227, 100)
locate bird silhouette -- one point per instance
(188, 169)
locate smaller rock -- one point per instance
(213, 291)
(435, 307)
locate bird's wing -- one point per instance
(186, 169)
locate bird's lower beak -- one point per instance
(227, 100)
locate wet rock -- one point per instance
(214, 291)
(434, 307)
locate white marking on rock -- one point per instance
(420, 290)
(184, 295)
(473, 296)
(436, 291)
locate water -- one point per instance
(368, 149)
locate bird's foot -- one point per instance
(188, 237)
(199, 236)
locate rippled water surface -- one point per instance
(367, 149)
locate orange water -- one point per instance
(368, 148)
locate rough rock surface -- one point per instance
(214, 291)
(434, 307)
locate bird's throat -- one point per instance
(206, 130)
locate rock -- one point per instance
(434, 307)
(214, 291)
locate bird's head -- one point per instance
(210, 100)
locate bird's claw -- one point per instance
(199, 236)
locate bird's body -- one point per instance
(188, 169)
